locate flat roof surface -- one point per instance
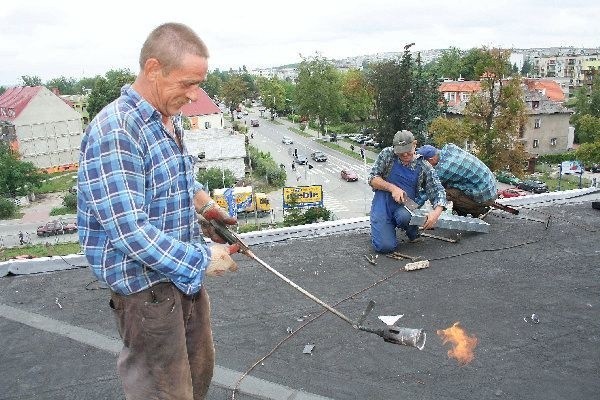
(59, 341)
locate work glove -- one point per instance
(217, 213)
(220, 260)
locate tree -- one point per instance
(589, 152)
(212, 85)
(31, 80)
(107, 89)
(587, 104)
(318, 91)
(17, 178)
(358, 96)
(449, 64)
(216, 178)
(234, 92)
(64, 85)
(406, 96)
(526, 68)
(588, 129)
(495, 117)
(273, 92)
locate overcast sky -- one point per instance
(78, 39)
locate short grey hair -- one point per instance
(169, 42)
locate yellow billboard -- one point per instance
(303, 196)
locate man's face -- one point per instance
(407, 156)
(180, 85)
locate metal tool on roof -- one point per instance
(446, 221)
(445, 239)
(392, 334)
(505, 208)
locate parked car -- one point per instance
(511, 192)
(286, 140)
(349, 175)
(51, 228)
(70, 227)
(534, 186)
(300, 159)
(319, 156)
(507, 177)
(595, 168)
(254, 122)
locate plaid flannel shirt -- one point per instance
(428, 183)
(136, 218)
(460, 169)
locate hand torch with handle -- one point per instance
(393, 334)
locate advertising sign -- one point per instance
(302, 196)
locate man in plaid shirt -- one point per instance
(469, 183)
(137, 201)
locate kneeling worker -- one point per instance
(398, 174)
(469, 183)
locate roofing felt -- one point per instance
(15, 99)
(202, 106)
(527, 291)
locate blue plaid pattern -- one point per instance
(135, 213)
(460, 169)
(428, 183)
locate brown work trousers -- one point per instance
(464, 204)
(168, 350)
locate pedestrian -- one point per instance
(397, 175)
(136, 206)
(352, 148)
(293, 166)
(27, 238)
(469, 183)
(362, 153)
(21, 241)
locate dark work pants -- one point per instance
(168, 351)
(464, 204)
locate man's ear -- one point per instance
(152, 69)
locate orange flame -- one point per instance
(463, 344)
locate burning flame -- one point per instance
(463, 344)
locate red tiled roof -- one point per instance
(465, 86)
(15, 99)
(202, 106)
(549, 87)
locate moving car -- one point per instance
(534, 186)
(507, 177)
(349, 175)
(511, 192)
(319, 156)
(286, 140)
(254, 122)
(300, 159)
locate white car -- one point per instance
(286, 140)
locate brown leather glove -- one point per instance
(217, 213)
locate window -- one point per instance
(553, 142)
(537, 123)
(536, 143)
(465, 96)
(535, 104)
(207, 125)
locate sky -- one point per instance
(75, 39)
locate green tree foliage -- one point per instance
(263, 165)
(70, 201)
(107, 88)
(318, 91)
(273, 92)
(7, 208)
(66, 86)
(449, 130)
(298, 216)
(495, 117)
(216, 178)
(526, 68)
(358, 96)
(588, 129)
(212, 85)
(406, 96)
(17, 178)
(449, 64)
(589, 152)
(233, 92)
(27, 80)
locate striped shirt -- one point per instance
(135, 213)
(428, 186)
(460, 169)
